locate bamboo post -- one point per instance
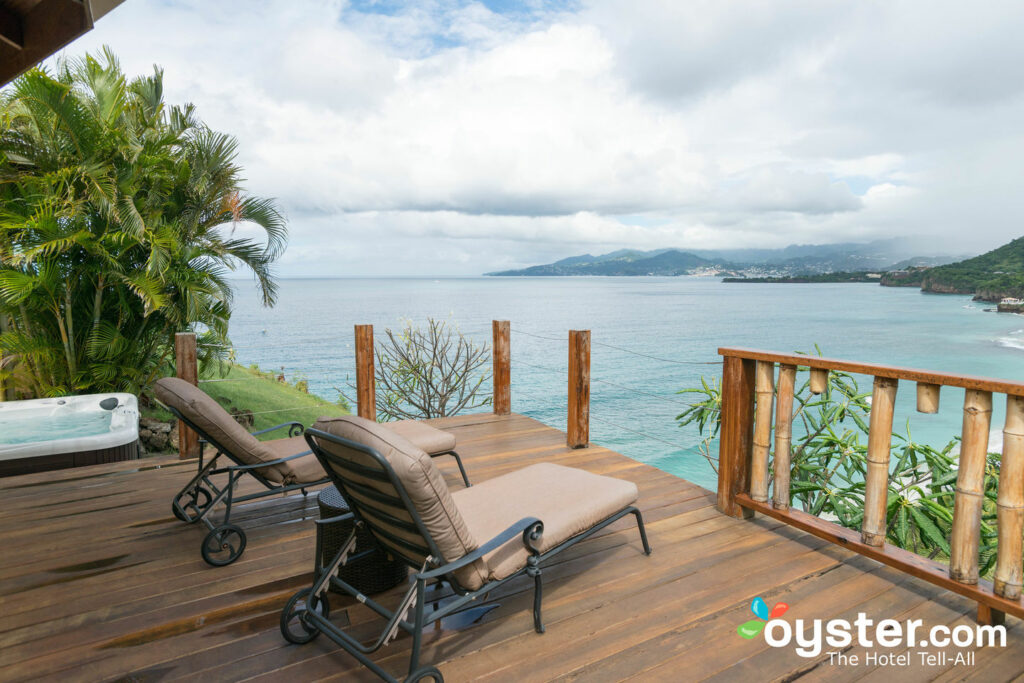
(366, 383)
(970, 487)
(186, 367)
(578, 422)
(1009, 575)
(764, 395)
(736, 437)
(927, 397)
(819, 380)
(876, 483)
(783, 436)
(502, 369)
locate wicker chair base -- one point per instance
(372, 574)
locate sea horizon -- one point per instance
(676, 324)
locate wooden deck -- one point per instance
(99, 582)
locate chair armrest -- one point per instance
(332, 520)
(521, 528)
(268, 463)
(290, 425)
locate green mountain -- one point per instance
(989, 277)
(794, 260)
(624, 262)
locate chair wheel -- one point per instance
(223, 545)
(193, 508)
(426, 672)
(293, 627)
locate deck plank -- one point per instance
(99, 582)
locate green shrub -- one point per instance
(829, 464)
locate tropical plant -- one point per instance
(117, 229)
(432, 371)
(829, 464)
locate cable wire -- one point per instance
(643, 434)
(624, 350)
(666, 399)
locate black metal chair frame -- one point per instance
(458, 461)
(225, 541)
(309, 608)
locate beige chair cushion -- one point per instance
(433, 441)
(422, 481)
(304, 470)
(208, 416)
(569, 501)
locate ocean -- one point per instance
(651, 336)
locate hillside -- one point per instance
(271, 400)
(627, 262)
(989, 277)
(794, 260)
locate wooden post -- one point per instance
(578, 423)
(987, 614)
(970, 487)
(736, 437)
(187, 368)
(502, 370)
(366, 384)
(6, 387)
(876, 483)
(1009, 575)
(927, 397)
(764, 395)
(783, 436)
(819, 380)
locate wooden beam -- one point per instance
(502, 370)
(186, 367)
(578, 420)
(45, 29)
(992, 384)
(366, 383)
(11, 31)
(735, 443)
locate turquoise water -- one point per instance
(20, 428)
(684, 320)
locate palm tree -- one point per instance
(117, 228)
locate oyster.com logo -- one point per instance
(760, 609)
(908, 641)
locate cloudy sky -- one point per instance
(451, 137)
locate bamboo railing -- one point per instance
(748, 378)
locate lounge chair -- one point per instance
(473, 539)
(280, 465)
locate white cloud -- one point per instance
(446, 138)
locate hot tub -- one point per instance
(56, 433)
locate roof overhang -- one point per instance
(32, 30)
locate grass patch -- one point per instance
(260, 392)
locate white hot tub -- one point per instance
(55, 433)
